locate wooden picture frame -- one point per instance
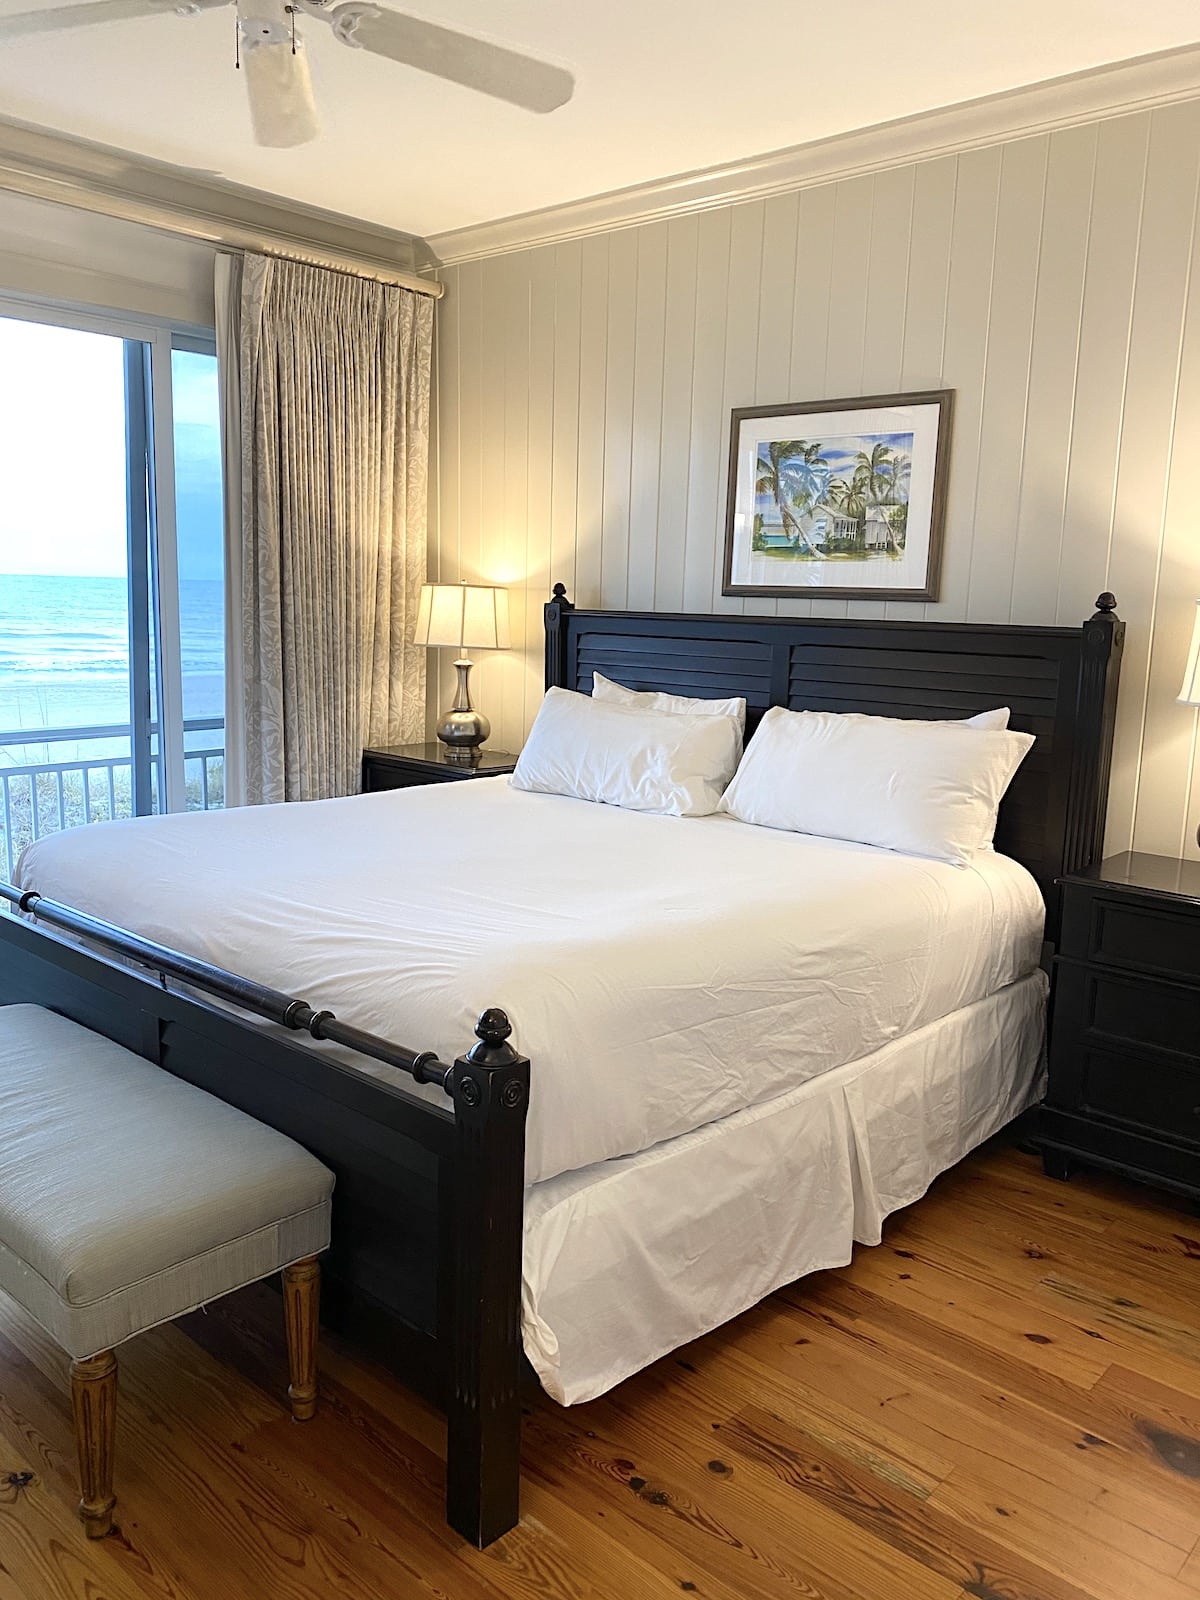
(841, 499)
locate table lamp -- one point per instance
(469, 617)
(1190, 693)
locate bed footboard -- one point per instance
(425, 1262)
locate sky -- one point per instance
(62, 455)
(841, 451)
(840, 454)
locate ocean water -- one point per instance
(64, 652)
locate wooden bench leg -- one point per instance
(94, 1401)
(301, 1316)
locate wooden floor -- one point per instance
(1002, 1401)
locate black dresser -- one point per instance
(1124, 1087)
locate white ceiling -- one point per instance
(663, 88)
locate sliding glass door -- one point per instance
(111, 608)
(200, 544)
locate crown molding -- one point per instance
(94, 177)
(1117, 89)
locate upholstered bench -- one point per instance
(127, 1198)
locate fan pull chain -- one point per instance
(237, 43)
(292, 14)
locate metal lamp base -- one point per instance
(462, 729)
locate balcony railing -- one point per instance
(39, 797)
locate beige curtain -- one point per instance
(332, 383)
(229, 324)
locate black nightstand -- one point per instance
(403, 766)
(1125, 1024)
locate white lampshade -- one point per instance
(466, 615)
(1190, 693)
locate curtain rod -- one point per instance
(43, 181)
(336, 261)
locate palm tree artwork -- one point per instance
(874, 469)
(849, 495)
(874, 477)
(884, 474)
(855, 507)
(796, 475)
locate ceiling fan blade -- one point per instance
(490, 68)
(27, 24)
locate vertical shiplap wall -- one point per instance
(584, 393)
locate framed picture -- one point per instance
(842, 498)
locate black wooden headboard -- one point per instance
(1061, 684)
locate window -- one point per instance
(200, 540)
(111, 583)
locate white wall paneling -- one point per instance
(585, 389)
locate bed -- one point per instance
(748, 1047)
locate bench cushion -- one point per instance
(128, 1197)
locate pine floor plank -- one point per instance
(863, 1437)
(1002, 1402)
(1074, 1507)
(680, 1467)
(974, 1562)
(736, 1525)
(1146, 1397)
(986, 1312)
(985, 1429)
(1001, 1244)
(1067, 1548)
(1189, 1573)
(43, 1554)
(1002, 1195)
(965, 1400)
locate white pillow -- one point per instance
(924, 788)
(993, 720)
(616, 694)
(996, 720)
(623, 756)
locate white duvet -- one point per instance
(660, 972)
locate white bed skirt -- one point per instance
(631, 1258)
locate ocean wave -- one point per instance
(61, 666)
(56, 632)
(40, 628)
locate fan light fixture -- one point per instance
(278, 82)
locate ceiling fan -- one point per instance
(275, 63)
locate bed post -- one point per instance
(1096, 715)
(555, 612)
(490, 1088)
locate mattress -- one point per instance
(661, 973)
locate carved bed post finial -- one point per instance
(1106, 604)
(493, 1030)
(556, 612)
